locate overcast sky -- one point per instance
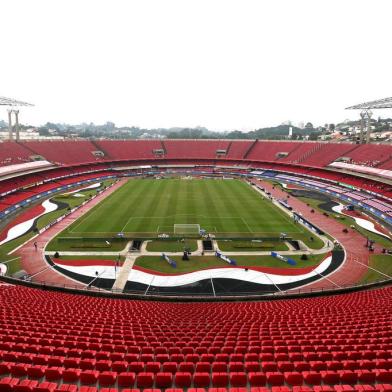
(217, 63)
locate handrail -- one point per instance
(192, 297)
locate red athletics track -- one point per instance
(351, 271)
(33, 261)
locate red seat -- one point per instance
(330, 377)
(89, 376)
(201, 379)
(203, 367)
(18, 370)
(312, 378)
(275, 378)
(293, 378)
(252, 366)
(257, 378)
(126, 379)
(119, 366)
(366, 376)
(103, 365)
(183, 379)
(25, 386)
(54, 373)
(136, 367)
(164, 379)
(36, 371)
(169, 367)
(88, 389)
(236, 366)
(7, 384)
(152, 367)
(67, 387)
(384, 376)
(220, 379)
(45, 387)
(107, 378)
(186, 367)
(238, 379)
(71, 375)
(269, 366)
(145, 380)
(348, 376)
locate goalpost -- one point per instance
(186, 228)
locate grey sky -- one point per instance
(221, 64)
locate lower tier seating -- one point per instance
(53, 341)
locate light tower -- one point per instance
(12, 103)
(366, 114)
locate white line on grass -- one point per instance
(246, 223)
(92, 211)
(126, 224)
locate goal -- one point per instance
(186, 228)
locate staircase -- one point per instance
(250, 149)
(228, 148)
(316, 148)
(27, 147)
(99, 148)
(290, 153)
(163, 147)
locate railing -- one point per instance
(205, 296)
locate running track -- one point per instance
(354, 268)
(33, 262)
(356, 253)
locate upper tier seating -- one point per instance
(267, 151)
(129, 149)
(371, 155)
(325, 153)
(64, 151)
(300, 152)
(238, 149)
(12, 153)
(194, 149)
(53, 341)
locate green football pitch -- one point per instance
(150, 207)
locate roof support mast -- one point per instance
(366, 115)
(13, 103)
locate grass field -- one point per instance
(246, 246)
(149, 207)
(348, 221)
(197, 263)
(171, 246)
(382, 263)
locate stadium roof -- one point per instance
(13, 102)
(385, 103)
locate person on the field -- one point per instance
(35, 245)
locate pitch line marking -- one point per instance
(126, 223)
(92, 211)
(246, 224)
(136, 232)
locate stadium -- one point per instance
(195, 265)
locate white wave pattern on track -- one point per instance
(92, 186)
(364, 223)
(104, 271)
(24, 227)
(192, 277)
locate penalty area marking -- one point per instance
(246, 224)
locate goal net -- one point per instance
(189, 228)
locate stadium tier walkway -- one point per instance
(122, 277)
(33, 262)
(357, 255)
